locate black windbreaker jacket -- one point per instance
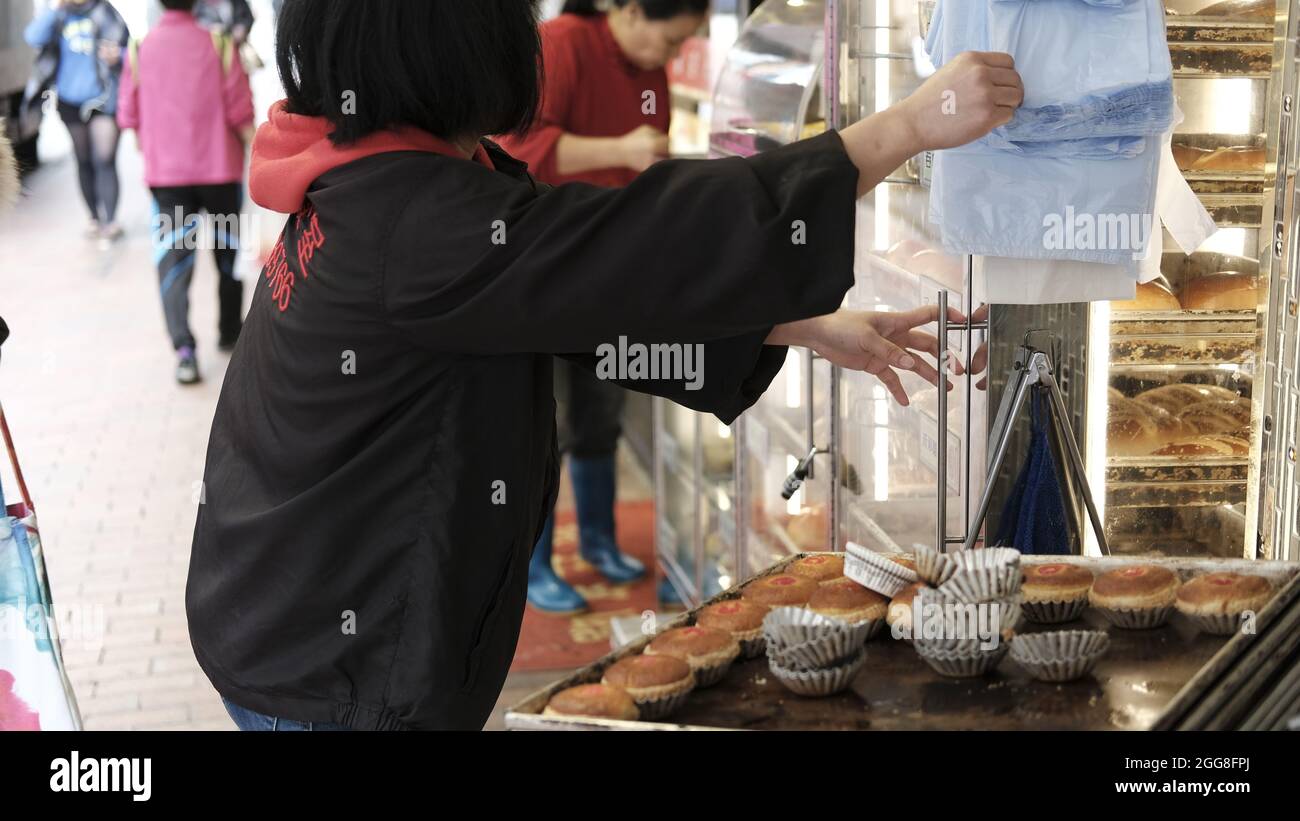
(383, 453)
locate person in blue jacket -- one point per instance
(80, 44)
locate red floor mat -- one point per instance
(562, 642)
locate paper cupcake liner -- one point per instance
(836, 641)
(1220, 624)
(711, 675)
(1143, 619)
(752, 648)
(984, 584)
(1009, 611)
(987, 558)
(796, 625)
(819, 682)
(934, 567)
(1061, 655)
(876, 572)
(1054, 612)
(963, 665)
(655, 709)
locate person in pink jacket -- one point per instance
(185, 93)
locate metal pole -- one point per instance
(1026, 378)
(941, 447)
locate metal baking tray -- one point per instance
(1142, 674)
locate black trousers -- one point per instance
(589, 412)
(178, 235)
(94, 142)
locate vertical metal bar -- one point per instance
(810, 413)
(1044, 369)
(941, 447)
(1021, 380)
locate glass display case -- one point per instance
(1189, 421)
(889, 494)
(718, 488)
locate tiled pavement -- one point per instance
(113, 448)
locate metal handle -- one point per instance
(941, 446)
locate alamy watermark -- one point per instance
(1073, 231)
(655, 361)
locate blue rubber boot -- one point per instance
(546, 590)
(593, 495)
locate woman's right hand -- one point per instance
(973, 93)
(643, 147)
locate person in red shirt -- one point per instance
(604, 118)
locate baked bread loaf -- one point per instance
(1241, 9)
(1216, 416)
(1216, 602)
(742, 619)
(1136, 597)
(1186, 156)
(820, 568)
(593, 701)
(900, 607)
(1232, 159)
(1209, 445)
(1224, 291)
(1055, 593)
(1151, 296)
(657, 684)
(709, 652)
(784, 590)
(1223, 593)
(846, 600)
(1136, 428)
(1174, 398)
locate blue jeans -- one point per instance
(248, 720)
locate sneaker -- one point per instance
(94, 230)
(187, 367)
(108, 235)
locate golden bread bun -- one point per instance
(650, 677)
(819, 568)
(1241, 9)
(1216, 416)
(1223, 594)
(1135, 587)
(1186, 156)
(734, 616)
(848, 600)
(1055, 582)
(1226, 291)
(594, 701)
(780, 591)
(808, 528)
(1151, 296)
(900, 607)
(1208, 445)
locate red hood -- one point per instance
(291, 151)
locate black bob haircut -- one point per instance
(654, 9)
(450, 67)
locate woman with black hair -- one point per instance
(80, 45)
(383, 455)
(604, 118)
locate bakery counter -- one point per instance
(1132, 687)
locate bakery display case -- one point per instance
(719, 489)
(906, 476)
(1189, 418)
(1184, 399)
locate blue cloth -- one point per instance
(1034, 521)
(78, 77)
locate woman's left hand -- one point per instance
(109, 52)
(879, 343)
